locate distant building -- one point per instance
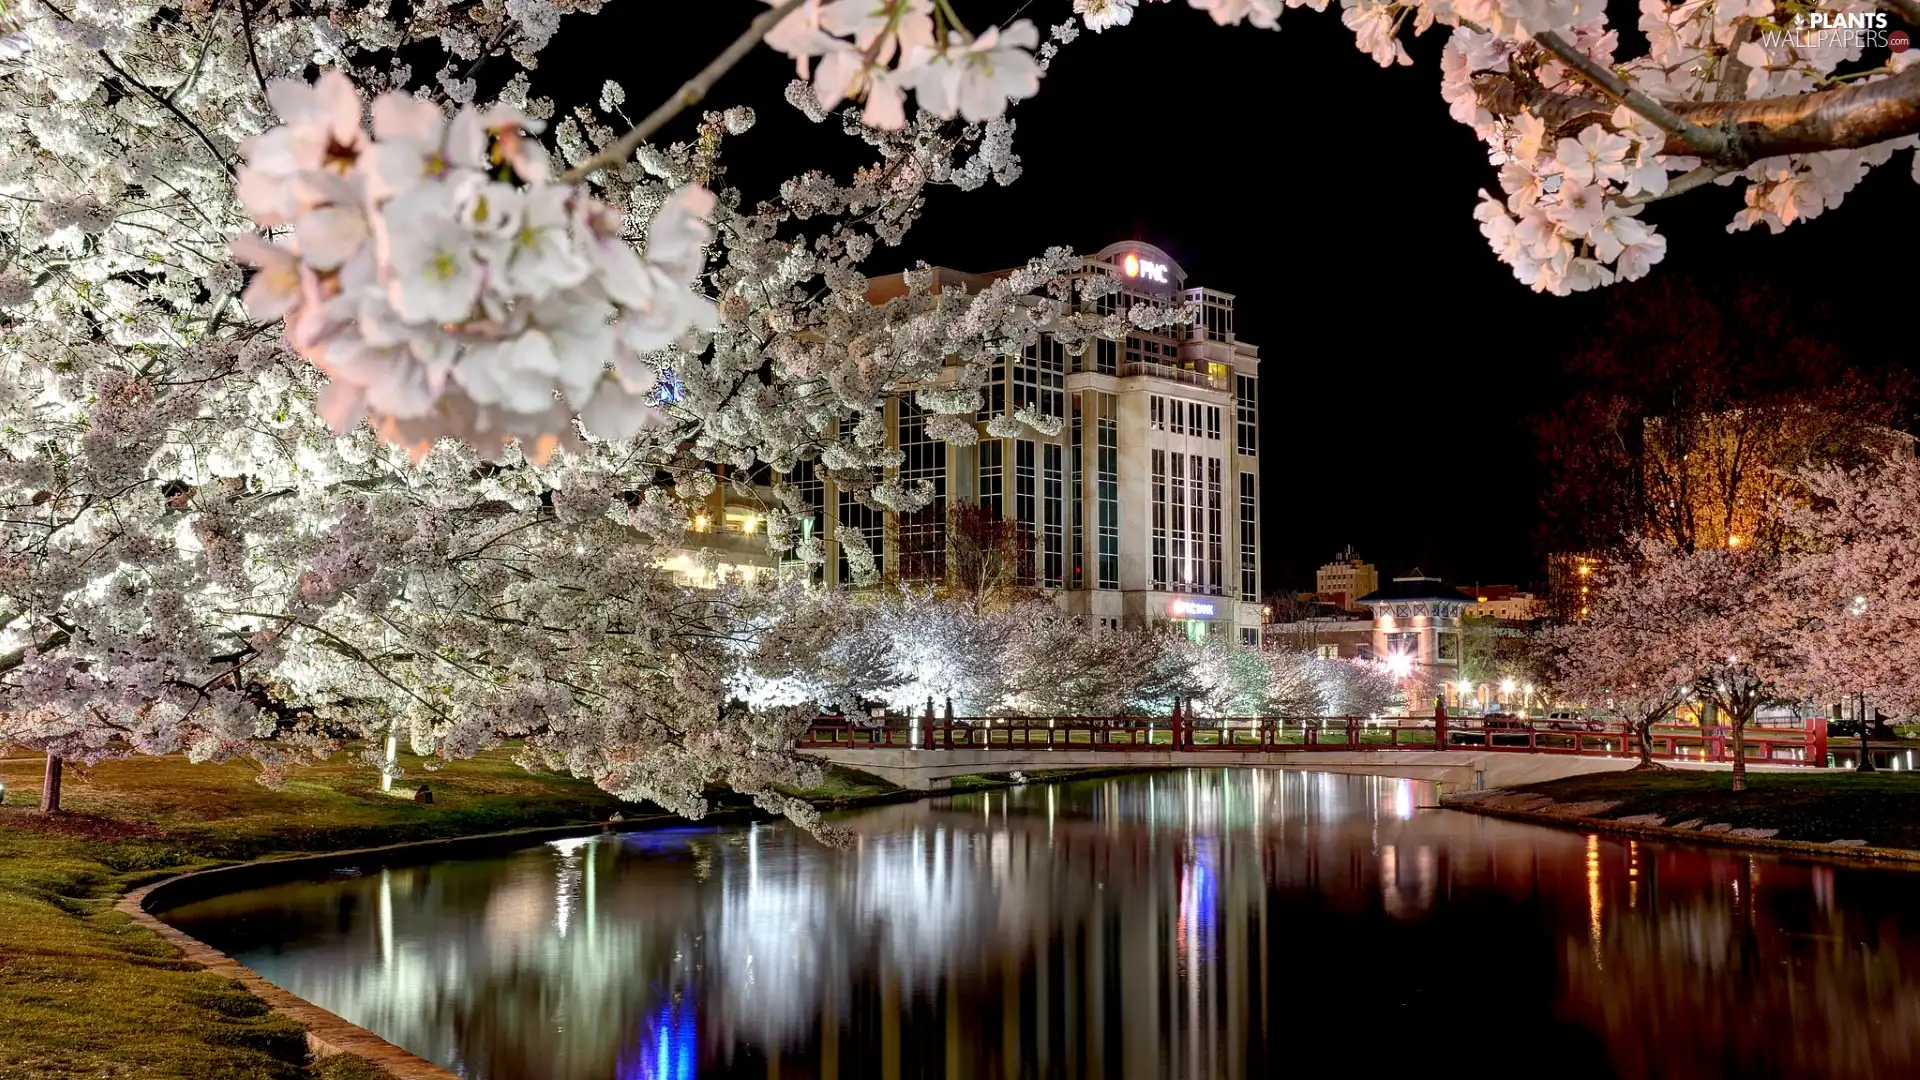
(1142, 510)
(1333, 634)
(1345, 580)
(1503, 602)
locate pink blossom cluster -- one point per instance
(442, 300)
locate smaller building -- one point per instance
(1504, 602)
(1416, 632)
(1346, 579)
(1333, 635)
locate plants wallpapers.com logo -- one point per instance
(1838, 30)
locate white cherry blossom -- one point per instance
(975, 79)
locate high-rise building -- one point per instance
(1570, 583)
(1143, 509)
(1345, 580)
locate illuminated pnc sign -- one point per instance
(1201, 608)
(1136, 267)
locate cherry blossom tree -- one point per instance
(341, 401)
(1616, 660)
(1854, 583)
(1716, 617)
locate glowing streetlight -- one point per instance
(1506, 686)
(1399, 665)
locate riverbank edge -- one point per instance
(1470, 802)
(329, 1034)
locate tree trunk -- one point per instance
(1643, 731)
(50, 787)
(1739, 753)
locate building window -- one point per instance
(1077, 502)
(1177, 417)
(1159, 519)
(1250, 637)
(1106, 356)
(805, 480)
(1213, 422)
(1327, 652)
(1196, 523)
(923, 533)
(1193, 418)
(860, 523)
(1023, 499)
(1177, 531)
(1246, 415)
(1040, 378)
(1157, 412)
(992, 477)
(1052, 504)
(994, 394)
(1215, 581)
(1249, 542)
(1107, 490)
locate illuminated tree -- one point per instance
(341, 402)
(1718, 618)
(1616, 661)
(1692, 413)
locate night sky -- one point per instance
(1400, 361)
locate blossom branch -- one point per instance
(689, 95)
(1843, 118)
(1706, 143)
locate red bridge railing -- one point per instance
(1805, 745)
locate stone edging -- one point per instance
(328, 1034)
(1662, 832)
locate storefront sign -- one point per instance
(1192, 609)
(1137, 267)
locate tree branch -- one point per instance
(1702, 141)
(1844, 118)
(1732, 83)
(688, 95)
(164, 103)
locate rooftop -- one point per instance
(1415, 586)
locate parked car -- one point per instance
(1572, 721)
(1504, 722)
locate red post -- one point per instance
(1179, 722)
(1817, 741)
(1439, 724)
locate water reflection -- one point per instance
(1199, 924)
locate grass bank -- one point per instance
(1830, 807)
(86, 993)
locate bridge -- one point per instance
(1458, 753)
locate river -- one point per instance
(1199, 924)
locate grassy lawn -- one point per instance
(85, 993)
(1881, 808)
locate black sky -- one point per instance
(1400, 361)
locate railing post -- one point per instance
(1177, 722)
(1439, 723)
(1817, 741)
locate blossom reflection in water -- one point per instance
(1197, 924)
